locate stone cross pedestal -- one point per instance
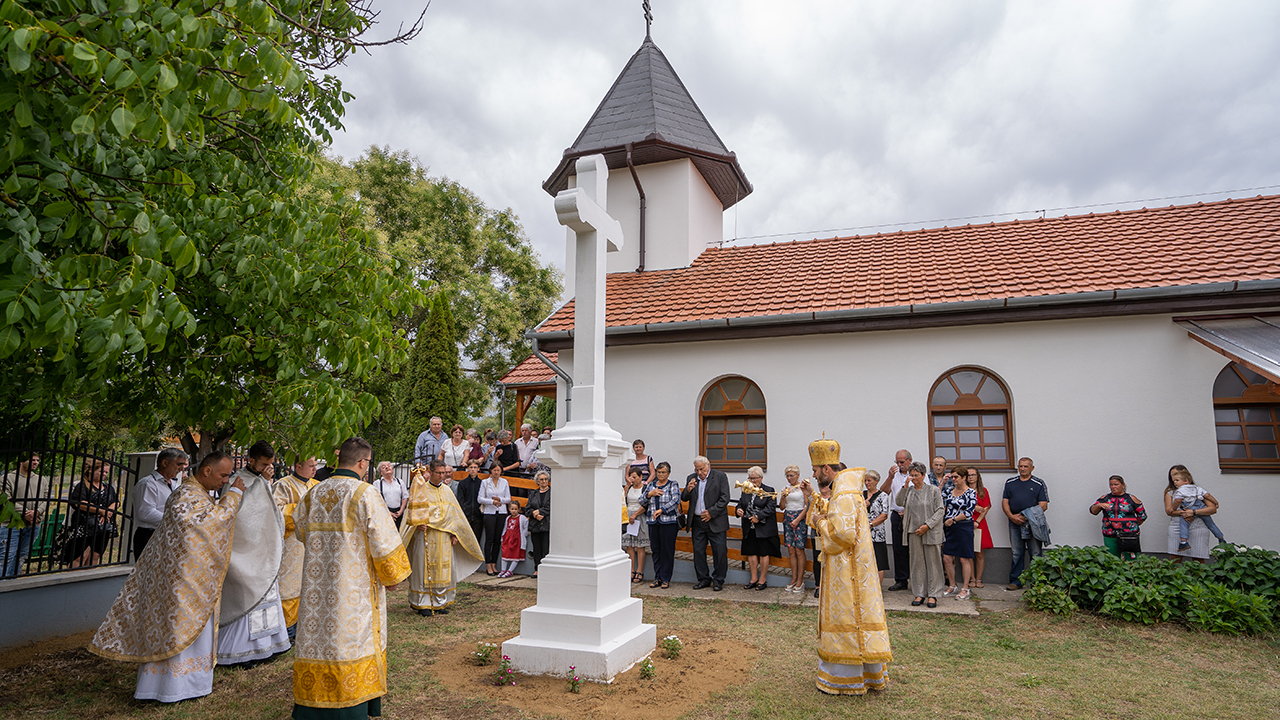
(585, 616)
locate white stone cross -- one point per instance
(585, 616)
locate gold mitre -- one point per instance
(824, 452)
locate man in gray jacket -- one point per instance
(707, 492)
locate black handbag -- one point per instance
(1128, 543)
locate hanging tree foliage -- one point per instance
(156, 251)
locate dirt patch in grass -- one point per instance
(628, 697)
(19, 656)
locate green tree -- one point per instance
(157, 254)
(433, 377)
(452, 242)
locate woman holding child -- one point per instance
(1193, 541)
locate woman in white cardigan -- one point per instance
(922, 526)
(493, 499)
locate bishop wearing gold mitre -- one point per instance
(352, 554)
(287, 491)
(442, 548)
(166, 616)
(853, 639)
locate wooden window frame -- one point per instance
(968, 403)
(734, 409)
(1254, 396)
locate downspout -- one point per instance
(639, 189)
(568, 381)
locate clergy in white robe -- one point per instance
(287, 491)
(352, 554)
(853, 635)
(166, 616)
(252, 625)
(442, 548)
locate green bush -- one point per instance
(1136, 603)
(1220, 609)
(1050, 599)
(1239, 593)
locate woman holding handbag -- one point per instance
(1122, 513)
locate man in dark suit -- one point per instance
(707, 492)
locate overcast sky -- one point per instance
(847, 114)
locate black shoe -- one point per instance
(900, 585)
(752, 586)
(426, 613)
(702, 584)
(717, 586)
(442, 611)
(815, 592)
(917, 602)
(762, 586)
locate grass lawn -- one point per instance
(1017, 665)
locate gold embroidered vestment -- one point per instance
(287, 491)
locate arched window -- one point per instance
(1246, 411)
(733, 424)
(969, 420)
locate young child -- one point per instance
(514, 537)
(1190, 496)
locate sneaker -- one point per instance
(1183, 545)
(949, 591)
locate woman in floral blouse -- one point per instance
(1122, 513)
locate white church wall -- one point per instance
(1091, 398)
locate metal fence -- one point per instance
(75, 498)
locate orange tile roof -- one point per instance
(1230, 240)
(531, 371)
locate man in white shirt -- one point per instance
(527, 446)
(894, 480)
(154, 492)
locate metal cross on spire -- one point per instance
(648, 18)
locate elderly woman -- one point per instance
(1199, 537)
(93, 517)
(506, 456)
(635, 534)
(662, 504)
(959, 503)
(877, 519)
(759, 528)
(794, 500)
(1122, 513)
(538, 510)
(922, 525)
(643, 463)
(456, 449)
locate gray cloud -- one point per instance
(847, 114)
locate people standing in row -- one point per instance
(758, 510)
(1025, 500)
(353, 555)
(794, 502)
(922, 514)
(635, 533)
(442, 549)
(166, 615)
(877, 519)
(538, 509)
(494, 495)
(153, 492)
(707, 492)
(288, 491)
(662, 503)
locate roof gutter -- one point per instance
(1178, 292)
(640, 189)
(568, 381)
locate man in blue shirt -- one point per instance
(427, 448)
(1022, 491)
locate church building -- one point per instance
(1105, 344)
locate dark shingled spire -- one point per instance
(649, 107)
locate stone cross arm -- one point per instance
(580, 211)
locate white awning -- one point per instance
(1251, 340)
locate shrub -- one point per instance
(1050, 599)
(1085, 574)
(1137, 603)
(1219, 609)
(1250, 570)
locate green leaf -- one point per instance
(19, 59)
(124, 120)
(141, 223)
(83, 125)
(61, 208)
(13, 313)
(22, 114)
(189, 24)
(168, 80)
(81, 51)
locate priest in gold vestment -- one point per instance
(442, 548)
(352, 555)
(287, 491)
(853, 637)
(166, 616)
